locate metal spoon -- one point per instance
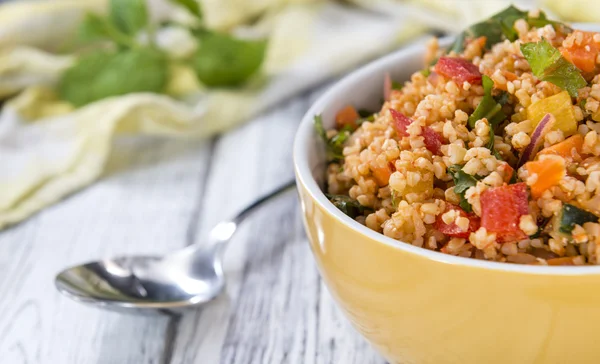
(188, 277)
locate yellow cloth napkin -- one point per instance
(49, 150)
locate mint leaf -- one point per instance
(191, 5)
(488, 108)
(222, 60)
(96, 28)
(129, 16)
(547, 64)
(103, 74)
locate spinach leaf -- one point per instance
(548, 64)
(95, 28)
(462, 182)
(222, 60)
(335, 144)
(191, 5)
(111, 73)
(347, 205)
(488, 108)
(501, 26)
(129, 16)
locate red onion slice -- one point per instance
(387, 87)
(537, 139)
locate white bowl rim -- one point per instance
(304, 175)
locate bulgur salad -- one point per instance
(492, 151)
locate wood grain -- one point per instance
(134, 209)
(157, 196)
(275, 309)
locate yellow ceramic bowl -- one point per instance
(419, 306)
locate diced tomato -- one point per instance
(501, 211)
(459, 70)
(401, 122)
(347, 117)
(433, 141)
(452, 229)
(507, 171)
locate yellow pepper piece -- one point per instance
(560, 106)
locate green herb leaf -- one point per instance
(490, 145)
(103, 74)
(488, 108)
(501, 26)
(365, 115)
(397, 85)
(462, 182)
(334, 145)
(95, 28)
(222, 60)
(129, 16)
(502, 98)
(347, 205)
(192, 6)
(548, 64)
(321, 132)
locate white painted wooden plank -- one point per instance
(275, 309)
(142, 206)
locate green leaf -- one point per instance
(129, 16)
(501, 26)
(397, 85)
(95, 28)
(490, 145)
(320, 129)
(191, 5)
(335, 144)
(502, 98)
(547, 64)
(347, 205)
(222, 60)
(462, 182)
(103, 74)
(488, 108)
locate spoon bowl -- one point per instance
(188, 277)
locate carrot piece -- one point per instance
(509, 77)
(549, 173)
(583, 55)
(346, 116)
(561, 261)
(381, 175)
(507, 172)
(569, 149)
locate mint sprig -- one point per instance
(132, 66)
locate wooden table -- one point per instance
(159, 195)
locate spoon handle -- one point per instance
(221, 233)
(241, 216)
